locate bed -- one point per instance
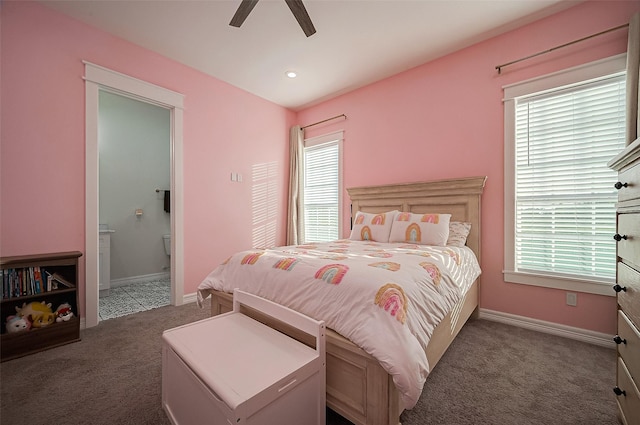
(359, 387)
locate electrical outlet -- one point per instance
(572, 299)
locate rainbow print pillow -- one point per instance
(372, 227)
(424, 229)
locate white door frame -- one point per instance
(99, 78)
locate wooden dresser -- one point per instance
(627, 391)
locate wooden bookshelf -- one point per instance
(17, 291)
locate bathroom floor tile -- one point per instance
(129, 299)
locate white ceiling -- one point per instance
(357, 41)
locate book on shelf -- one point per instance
(20, 282)
(57, 277)
(5, 284)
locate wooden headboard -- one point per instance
(458, 197)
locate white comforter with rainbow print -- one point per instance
(386, 298)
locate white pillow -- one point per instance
(424, 229)
(458, 233)
(372, 227)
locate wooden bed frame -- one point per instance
(358, 388)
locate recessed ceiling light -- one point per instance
(291, 74)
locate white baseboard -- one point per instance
(189, 298)
(584, 335)
(139, 279)
(579, 334)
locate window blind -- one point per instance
(321, 192)
(565, 200)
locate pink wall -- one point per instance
(445, 119)
(42, 169)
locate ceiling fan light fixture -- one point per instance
(291, 74)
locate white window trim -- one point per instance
(326, 138)
(591, 71)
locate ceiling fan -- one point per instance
(296, 6)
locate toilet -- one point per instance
(167, 244)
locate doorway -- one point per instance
(99, 79)
(134, 212)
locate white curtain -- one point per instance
(295, 216)
(633, 73)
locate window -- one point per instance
(560, 132)
(322, 187)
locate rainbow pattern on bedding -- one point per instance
(411, 246)
(382, 254)
(413, 233)
(359, 219)
(334, 257)
(332, 273)
(387, 265)
(251, 258)
(365, 233)
(379, 219)
(420, 253)
(454, 255)
(286, 264)
(403, 216)
(433, 271)
(431, 218)
(392, 299)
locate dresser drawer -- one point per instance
(629, 348)
(631, 177)
(629, 402)
(629, 300)
(629, 227)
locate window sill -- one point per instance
(562, 283)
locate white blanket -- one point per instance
(385, 298)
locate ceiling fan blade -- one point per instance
(300, 12)
(243, 11)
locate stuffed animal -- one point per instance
(64, 313)
(42, 320)
(33, 309)
(39, 313)
(17, 324)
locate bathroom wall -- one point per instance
(134, 150)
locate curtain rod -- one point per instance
(328, 119)
(499, 67)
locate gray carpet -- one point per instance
(492, 374)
